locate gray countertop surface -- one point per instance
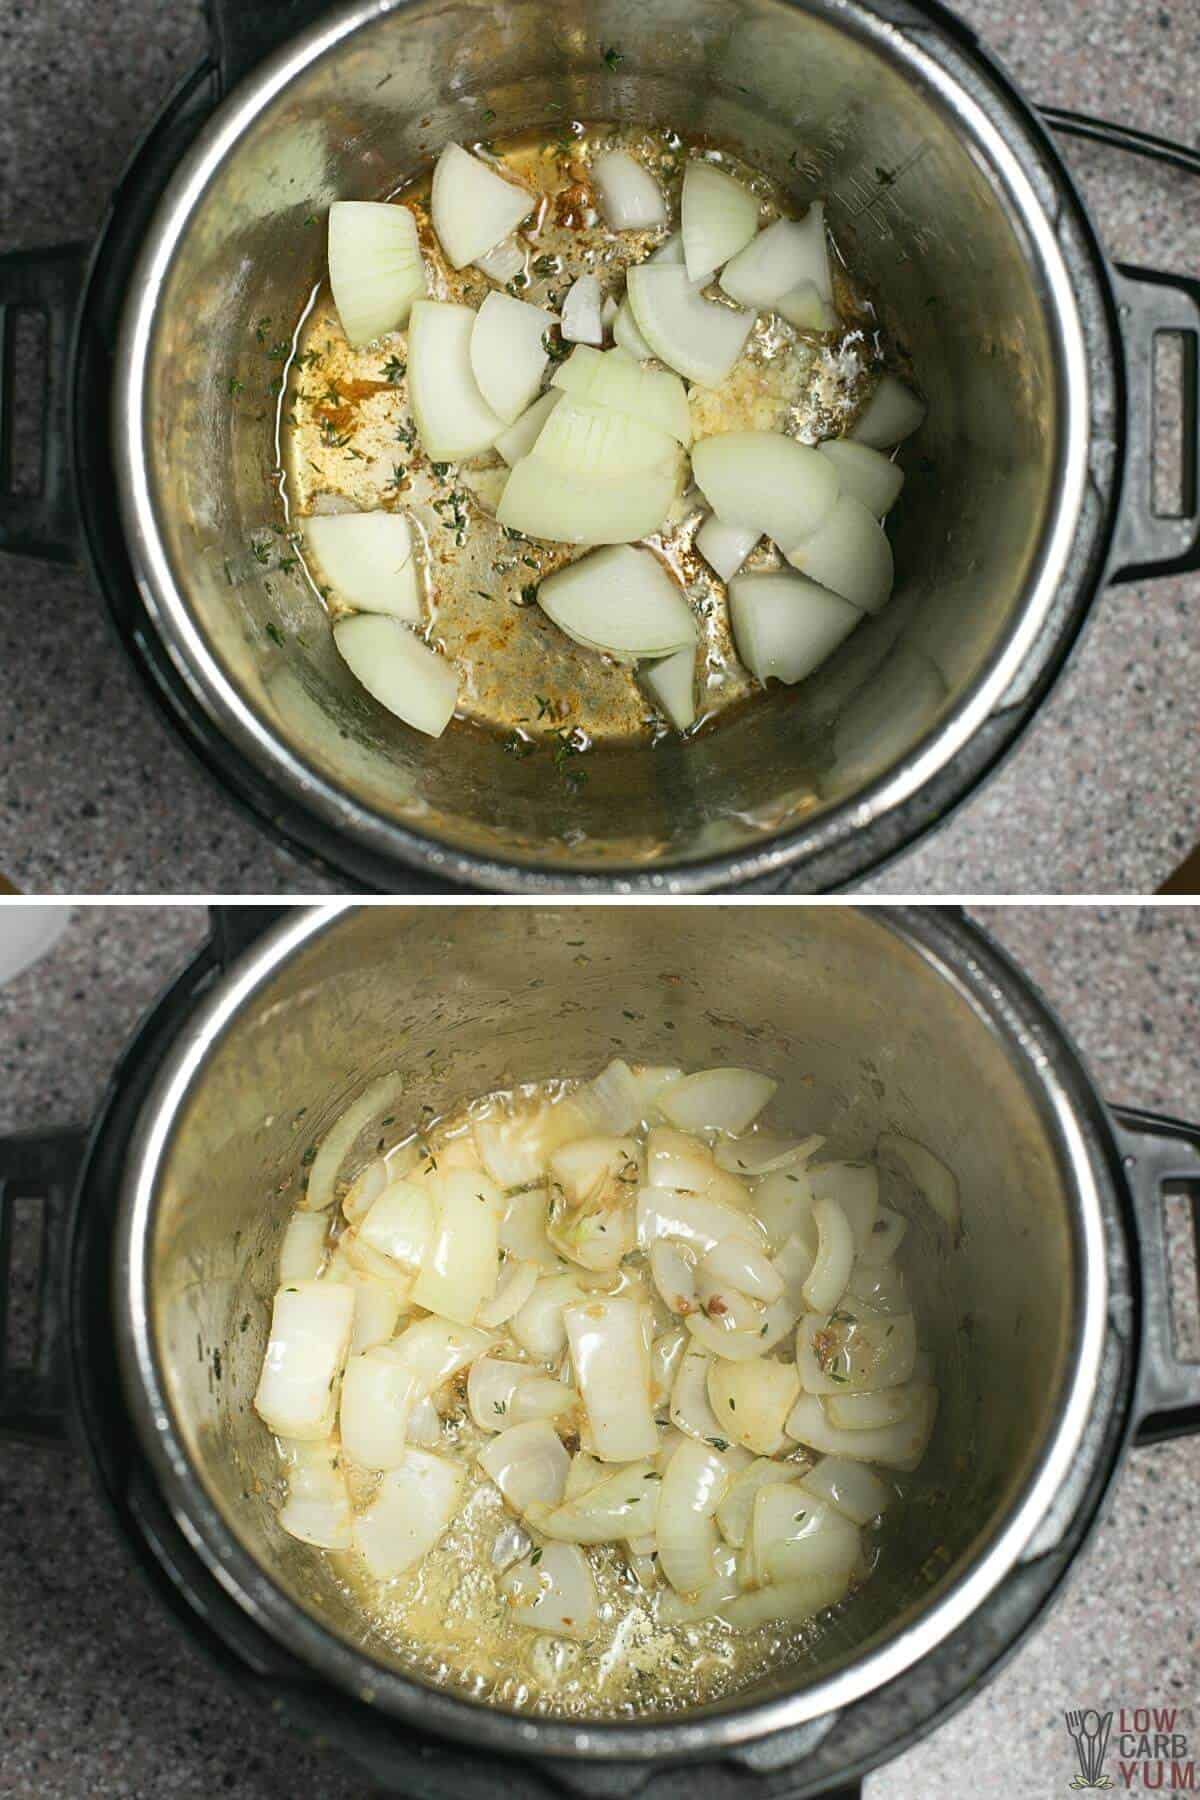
(100, 1697)
(96, 796)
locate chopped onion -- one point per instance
(613, 379)
(762, 1153)
(711, 1599)
(608, 312)
(752, 1401)
(512, 1542)
(517, 1282)
(736, 1511)
(844, 1355)
(378, 1390)
(514, 1144)
(375, 267)
(311, 1322)
(435, 1349)
(855, 1187)
(491, 1387)
(413, 1506)
(523, 1229)
(581, 322)
(303, 1248)
(872, 478)
(502, 263)
(583, 439)
(400, 1224)
(399, 670)
(797, 1536)
(695, 1219)
(670, 251)
(882, 1289)
(787, 255)
(674, 1275)
(718, 217)
(619, 600)
(849, 553)
(553, 1591)
(424, 1424)
(361, 1258)
(672, 687)
(887, 1234)
(740, 1265)
(892, 413)
(725, 547)
(627, 336)
(928, 1174)
(804, 308)
(629, 196)
(541, 1397)
(666, 1354)
(611, 1360)
(899, 1446)
(369, 1183)
(508, 355)
(528, 1464)
(771, 1324)
(377, 1306)
(367, 559)
(854, 1489)
(544, 502)
(539, 1326)
(674, 1159)
(726, 1100)
(452, 417)
(693, 1485)
(785, 626)
(835, 1257)
(865, 1412)
(766, 482)
(616, 1098)
(593, 1182)
(341, 1136)
(621, 1506)
(472, 207)
(791, 1600)
(317, 1508)
(519, 439)
(461, 1265)
(697, 338)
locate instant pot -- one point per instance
(1029, 486)
(1048, 1316)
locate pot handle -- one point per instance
(244, 31)
(1160, 1154)
(42, 1167)
(1148, 542)
(47, 282)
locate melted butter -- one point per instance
(347, 443)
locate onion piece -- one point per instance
(502, 263)
(472, 207)
(539, 1327)
(725, 547)
(523, 1229)
(711, 1599)
(693, 1485)
(311, 1322)
(791, 1600)
(786, 255)
(675, 1159)
(766, 482)
(854, 1489)
(581, 321)
(554, 1593)
(698, 339)
(618, 600)
(803, 307)
(887, 1234)
(584, 439)
(855, 1187)
(620, 1507)
(891, 414)
(785, 626)
(616, 1098)
(762, 1153)
(370, 1182)
(882, 1289)
(899, 1446)
(666, 1354)
(726, 1100)
(866, 1412)
(849, 553)
(452, 418)
(611, 1359)
(584, 1473)
(542, 501)
(376, 269)
(378, 1390)
(517, 1282)
(528, 1464)
(399, 670)
(491, 1387)
(508, 355)
(844, 1355)
(740, 1265)
(736, 1511)
(674, 1275)
(424, 1424)
(627, 336)
(834, 1260)
(797, 1536)
(695, 1219)
(542, 1397)
(672, 687)
(435, 1349)
(413, 1506)
(377, 1307)
(718, 217)
(317, 1508)
(691, 1412)
(363, 1259)
(793, 1263)
(461, 1265)
(869, 476)
(400, 1224)
(515, 1142)
(303, 1248)
(367, 559)
(629, 196)
(512, 1542)
(744, 1345)
(752, 1401)
(927, 1172)
(613, 379)
(519, 439)
(670, 251)
(593, 1182)
(341, 1137)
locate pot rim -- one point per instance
(959, 953)
(899, 804)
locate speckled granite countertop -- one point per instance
(101, 1698)
(96, 796)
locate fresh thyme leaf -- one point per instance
(612, 58)
(274, 633)
(236, 387)
(536, 1558)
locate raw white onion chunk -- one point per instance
(698, 339)
(399, 670)
(519, 439)
(452, 417)
(783, 257)
(849, 553)
(629, 196)
(725, 547)
(375, 267)
(543, 502)
(614, 379)
(367, 559)
(718, 218)
(871, 477)
(785, 626)
(621, 601)
(672, 686)
(508, 354)
(472, 207)
(581, 322)
(766, 482)
(892, 414)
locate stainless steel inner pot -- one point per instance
(868, 1022)
(942, 195)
